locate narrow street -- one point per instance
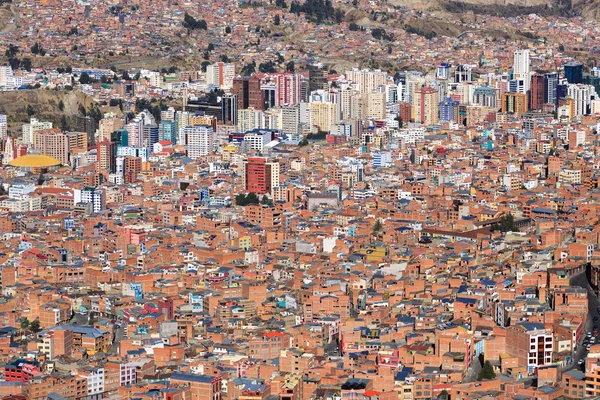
(581, 280)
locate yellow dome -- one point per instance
(34, 161)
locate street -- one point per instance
(581, 280)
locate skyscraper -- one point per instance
(536, 92)
(106, 156)
(240, 90)
(574, 72)
(550, 83)
(521, 67)
(229, 105)
(3, 128)
(198, 140)
(260, 175)
(317, 77)
(426, 106)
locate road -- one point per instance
(581, 280)
(119, 335)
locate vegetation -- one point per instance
(318, 10)
(267, 67)
(277, 20)
(317, 136)
(487, 372)
(377, 226)
(246, 199)
(290, 66)
(11, 51)
(85, 79)
(37, 49)
(380, 33)
(35, 326)
(506, 224)
(416, 31)
(191, 23)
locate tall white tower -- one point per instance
(521, 67)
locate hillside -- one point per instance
(44, 106)
(566, 8)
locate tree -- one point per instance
(227, 29)
(84, 79)
(35, 326)
(26, 64)
(211, 47)
(290, 66)
(37, 49)
(561, 48)
(487, 372)
(64, 124)
(303, 143)
(25, 323)
(11, 51)
(192, 23)
(276, 20)
(30, 110)
(399, 119)
(267, 67)
(377, 226)
(61, 105)
(355, 3)
(204, 65)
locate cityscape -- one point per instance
(299, 200)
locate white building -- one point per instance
(32, 126)
(7, 80)
(198, 140)
(522, 66)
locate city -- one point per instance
(197, 204)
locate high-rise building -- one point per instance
(240, 90)
(366, 80)
(136, 132)
(485, 96)
(323, 115)
(52, 142)
(463, 73)
(317, 77)
(108, 125)
(514, 103)
(449, 110)
(582, 98)
(6, 77)
(550, 84)
(249, 119)
(536, 92)
(220, 75)
(87, 124)
(94, 196)
(521, 64)
(106, 156)
(260, 175)
(3, 128)
(150, 134)
(255, 93)
(426, 106)
(289, 88)
(574, 72)
(257, 139)
(270, 98)
(229, 105)
(78, 141)
(31, 127)
(167, 130)
(198, 140)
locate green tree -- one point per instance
(35, 326)
(487, 372)
(84, 79)
(11, 51)
(61, 105)
(25, 323)
(276, 20)
(30, 110)
(303, 143)
(204, 65)
(561, 48)
(64, 124)
(400, 122)
(211, 47)
(377, 226)
(252, 198)
(290, 66)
